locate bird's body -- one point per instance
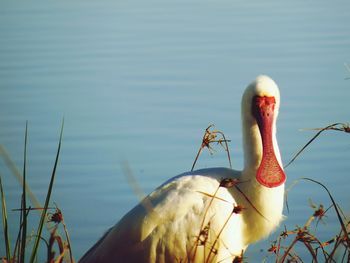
(196, 217)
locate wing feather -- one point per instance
(169, 231)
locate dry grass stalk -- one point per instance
(326, 250)
(209, 138)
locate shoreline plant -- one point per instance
(285, 248)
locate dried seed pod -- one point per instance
(228, 182)
(237, 209)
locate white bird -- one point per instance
(209, 215)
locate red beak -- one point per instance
(269, 173)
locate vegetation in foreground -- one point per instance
(28, 244)
(291, 245)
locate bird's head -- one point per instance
(260, 105)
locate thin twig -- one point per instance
(345, 128)
(220, 232)
(346, 235)
(203, 220)
(250, 202)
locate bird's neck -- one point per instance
(264, 210)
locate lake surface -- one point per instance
(139, 81)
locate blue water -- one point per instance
(139, 81)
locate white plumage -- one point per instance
(191, 218)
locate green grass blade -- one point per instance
(24, 202)
(43, 215)
(5, 223)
